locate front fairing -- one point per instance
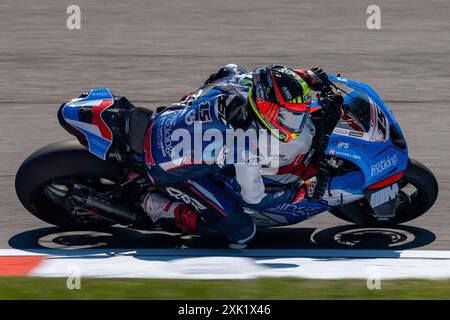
(365, 139)
(363, 136)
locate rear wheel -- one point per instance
(52, 171)
(418, 192)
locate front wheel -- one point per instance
(419, 191)
(57, 167)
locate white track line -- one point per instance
(240, 264)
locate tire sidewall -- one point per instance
(424, 181)
(56, 161)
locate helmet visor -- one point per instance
(292, 120)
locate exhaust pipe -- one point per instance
(112, 209)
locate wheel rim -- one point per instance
(409, 202)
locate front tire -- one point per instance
(57, 162)
(412, 207)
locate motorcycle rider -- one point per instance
(273, 98)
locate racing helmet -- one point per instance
(280, 100)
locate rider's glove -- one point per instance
(331, 101)
(302, 190)
(299, 191)
(317, 78)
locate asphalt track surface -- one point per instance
(155, 51)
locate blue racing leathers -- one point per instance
(186, 145)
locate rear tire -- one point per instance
(61, 160)
(427, 188)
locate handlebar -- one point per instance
(328, 99)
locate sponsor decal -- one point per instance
(308, 98)
(297, 210)
(99, 143)
(348, 155)
(286, 92)
(343, 154)
(164, 132)
(340, 131)
(384, 195)
(177, 194)
(343, 145)
(205, 112)
(384, 164)
(259, 91)
(99, 94)
(356, 134)
(190, 117)
(381, 124)
(206, 146)
(221, 108)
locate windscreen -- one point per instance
(359, 110)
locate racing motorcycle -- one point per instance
(98, 179)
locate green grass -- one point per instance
(267, 288)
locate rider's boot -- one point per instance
(245, 235)
(177, 216)
(168, 213)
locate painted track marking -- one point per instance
(230, 264)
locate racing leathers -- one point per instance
(188, 194)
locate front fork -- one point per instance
(331, 111)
